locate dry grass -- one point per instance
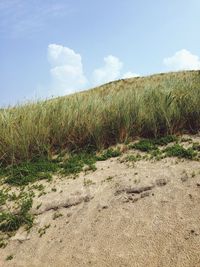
(150, 106)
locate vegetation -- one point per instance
(26, 172)
(153, 106)
(9, 258)
(147, 145)
(180, 152)
(109, 153)
(70, 134)
(10, 221)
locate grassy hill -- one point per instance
(105, 177)
(151, 106)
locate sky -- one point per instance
(58, 47)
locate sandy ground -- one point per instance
(142, 215)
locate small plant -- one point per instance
(165, 140)
(3, 197)
(39, 187)
(196, 146)
(75, 163)
(10, 222)
(133, 158)
(88, 182)
(109, 178)
(144, 145)
(57, 215)
(25, 173)
(9, 258)
(148, 145)
(53, 189)
(3, 244)
(42, 231)
(180, 152)
(109, 153)
(38, 206)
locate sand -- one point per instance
(120, 215)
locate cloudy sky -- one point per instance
(56, 47)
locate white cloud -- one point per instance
(66, 71)
(182, 60)
(129, 74)
(109, 72)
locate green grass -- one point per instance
(180, 152)
(148, 107)
(75, 163)
(26, 172)
(10, 222)
(3, 197)
(109, 153)
(147, 145)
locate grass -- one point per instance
(10, 222)
(109, 153)
(180, 152)
(3, 197)
(26, 172)
(147, 145)
(75, 163)
(9, 258)
(152, 147)
(152, 106)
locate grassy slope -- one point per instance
(145, 106)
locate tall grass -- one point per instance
(151, 106)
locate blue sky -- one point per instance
(56, 47)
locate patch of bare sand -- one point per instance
(145, 215)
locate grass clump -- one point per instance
(144, 145)
(9, 258)
(196, 146)
(3, 197)
(147, 145)
(75, 163)
(109, 153)
(180, 152)
(42, 230)
(10, 222)
(28, 172)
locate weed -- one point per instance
(38, 206)
(42, 231)
(39, 187)
(29, 172)
(148, 145)
(88, 182)
(144, 145)
(196, 146)
(10, 222)
(180, 152)
(3, 197)
(3, 244)
(9, 258)
(57, 215)
(109, 153)
(133, 158)
(109, 178)
(53, 189)
(75, 163)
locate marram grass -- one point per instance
(153, 106)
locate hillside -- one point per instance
(105, 177)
